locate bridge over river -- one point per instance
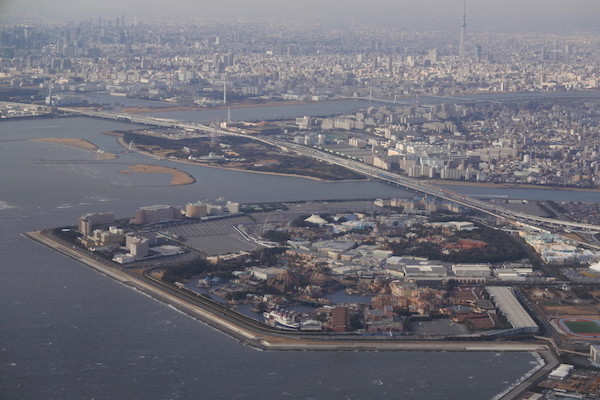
(532, 221)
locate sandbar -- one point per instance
(212, 165)
(80, 144)
(178, 177)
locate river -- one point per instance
(71, 333)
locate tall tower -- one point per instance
(461, 50)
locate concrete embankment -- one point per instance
(550, 362)
(145, 286)
(264, 339)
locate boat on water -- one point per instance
(282, 319)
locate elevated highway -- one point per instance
(469, 202)
(494, 210)
(494, 97)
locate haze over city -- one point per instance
(510, 14)
(391, 199)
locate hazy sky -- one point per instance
(572, 12)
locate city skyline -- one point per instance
(393, 198)
(511, 14)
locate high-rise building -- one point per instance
(89, 221)
(478, 53)
(432, 56)
(595, 354)
(340, 319)
(138, 246)
(196, 210)
(158, 213)
(461, 50)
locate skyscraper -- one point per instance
(461, 50)
(478, 53)
(432, 56)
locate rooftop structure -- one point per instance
(316, 219)
(507, 302)
(461, 49)
(561, 372)
(472, 270)
(595, 354)
(88, 222)
(425, 271)
(595, 267)
(158, 213)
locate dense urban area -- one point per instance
(510, 110)
(527, 141)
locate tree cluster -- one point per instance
(501, 247)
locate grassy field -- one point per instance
(583, 326)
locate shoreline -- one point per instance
(178, 177)
(80, 144)
(233, 106)
(436, 182)
(181, 161)
(262, 172)
(266, 340)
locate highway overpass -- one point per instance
(357, 166)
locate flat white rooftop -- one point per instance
(505, 299)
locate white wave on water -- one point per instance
(44, 127)
(178, 310)
(539, 364)
(4, 205)
(98, 199)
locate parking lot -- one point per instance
(215, 237)
(437, 327)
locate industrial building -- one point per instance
(422, 271)
(561, 372)
(472, 270)
(264, 274)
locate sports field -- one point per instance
(583, 326)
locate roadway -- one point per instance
(528, 220)
(469, 202)
(260, 335)
(498, 97)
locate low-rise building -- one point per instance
(472, 270)
(425, 271)
(264, 274)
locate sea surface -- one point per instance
(68, 332)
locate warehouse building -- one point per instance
(504, 298)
